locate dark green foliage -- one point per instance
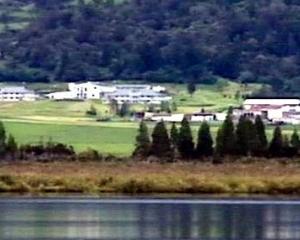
(226, 140)
(295, 141)
(276, 145)
(261, 135)
(174, 135)
(161, 144)
(92, 111)
(191, 87)
(185, 141)
(161, 41)
(142, 145)
(205, 142)
(2, 139)
(124, 110)
(11, 147)
(247, 142)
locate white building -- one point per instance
(250, 104)
(130, 93)
(168, 117)
(16, 93)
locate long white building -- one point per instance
(130, 93)
(16, 93)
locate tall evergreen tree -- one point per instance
(11, 147)
(295, 141)
(205, 141)
(247, 142)
(276, 145)
(185, 141)
(143, 143)
(226, 144)
(2, 139)
(161, 144)
(261, 135)
(174, 135)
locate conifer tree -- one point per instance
(161, 144)
(174, 135)
(2, 139)
(261, 135)
(142, 145)
(12, 146)
(185, 140)
(295, 141)
(246, 137)
(205, 142)
(225, 144)
(276, 145)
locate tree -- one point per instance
(295, 141)
(165, 106)
(261, 135)
(174, 135)
(276, 145)
(114, 106)
(11, 147)
(191, 87)
(185, 140)
(161, 145)
(246, 137)
(142, 145)
(92, 111)
(2, 139)
(225, 143)
(205, 142)
(124, 110)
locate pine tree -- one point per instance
(2, 139)
(174, 135)
(226, 144)
(261, 136)
(161, 144)
(246, 137)
(124, 110)
(142, 145)
(295, 141)
(11, 147)
(205, 142)
(185, 141)
(276, 145)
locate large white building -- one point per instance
(286, 110)
(16, 93)
(121, 93)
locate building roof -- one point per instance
(137, 93)
(15, 89)
(272, 101)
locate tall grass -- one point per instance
(142, 178)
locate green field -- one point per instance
(67, 122)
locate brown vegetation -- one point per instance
(263, 177)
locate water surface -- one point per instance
(156, 219)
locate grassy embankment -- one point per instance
(133, 178)
(67, 122)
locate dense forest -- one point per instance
(155, 40)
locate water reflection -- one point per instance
(160, 221)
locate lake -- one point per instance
(148, 218)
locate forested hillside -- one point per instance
(155, 40)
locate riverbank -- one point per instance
(267, 177)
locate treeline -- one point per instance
(245, 139)
(158, 40)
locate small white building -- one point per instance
(202, 117)
(17, 93)
(168, 117)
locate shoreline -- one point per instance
(268, 177)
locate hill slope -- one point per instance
(154, 40)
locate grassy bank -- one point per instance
(97, 178)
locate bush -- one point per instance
(89, 155)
